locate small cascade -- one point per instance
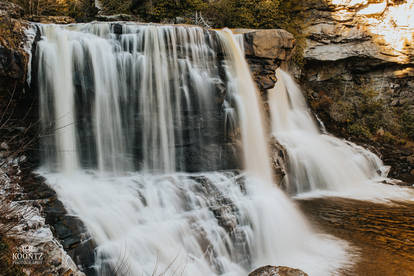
(141, 108)
(317, 160)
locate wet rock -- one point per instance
(49, 19)
(279, 160)
(4, 146)
(277, 271)
(117, 28)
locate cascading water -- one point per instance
(317, 160)
(125, 109)
(145, 98)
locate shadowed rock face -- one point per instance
(277, 271)
(357, 46)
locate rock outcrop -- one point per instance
(359, 74)
(376, 29)
(265, 50)
(277, 271)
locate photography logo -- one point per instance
(27, 255)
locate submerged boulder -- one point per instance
(277, 271)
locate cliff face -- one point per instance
(359, 74)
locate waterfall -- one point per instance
(140, 105)
(256, 155)
(144, 95)
(318, 161)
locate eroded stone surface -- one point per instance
(277, 271)
(265, 50)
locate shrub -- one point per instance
(79, 9)
(116, 6)
(407, 122)
(359, 130)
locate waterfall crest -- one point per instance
(137, 95)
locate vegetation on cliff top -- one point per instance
(81, 10)
(257, 14)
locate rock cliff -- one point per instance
(359, 74)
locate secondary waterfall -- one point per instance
(317, 160)
(127, 112)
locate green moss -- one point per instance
(407, 122)
(359, 130)
(116, 6)
(362, 114)
(389, 138)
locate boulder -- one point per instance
(277, 271)
(265, 50)
(268, 44)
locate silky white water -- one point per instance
(129, 103)
(320, 163)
